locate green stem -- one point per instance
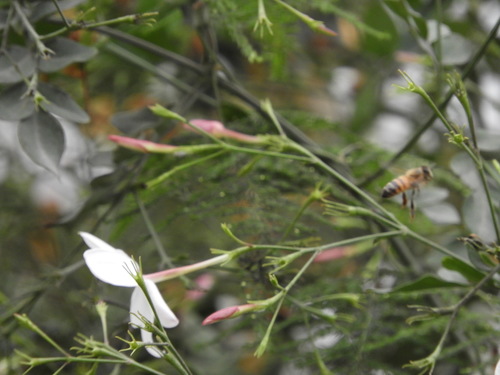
(299, 274)
(334, 209)
(23, 319)
(464, 100)
(492, 172)
(172, 356)
(265, 340)
(490, 201)
(419, 90)
(61, 14)
(267, 106)
(44, 51)
(252, 151)
(349, 241)
(101, 308)
(480, 164)
(439, 46)
(262, 346)
(70, 26)
(432, 244)
(126, 361)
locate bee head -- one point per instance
(427, 173)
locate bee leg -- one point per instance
(405, 201)
(412, 204)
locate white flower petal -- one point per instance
(95, 243)
(153, 350)
(111, 266)
(139, 305)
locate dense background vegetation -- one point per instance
(345, 96)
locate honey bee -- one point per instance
(411, 180)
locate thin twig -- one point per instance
(42, 49)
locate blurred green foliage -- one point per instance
(204, 59)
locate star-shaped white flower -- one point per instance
(114, 266)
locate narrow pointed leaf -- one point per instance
(427, 283)
(377, 18)
(42, 139)
(467, 271)
(13, 105)
(409, 14)
(23, 58)
(61, 104)
(478, 260)
(66, 52)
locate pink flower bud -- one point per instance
(141, 144)
(333, 253)
(210, 126)
(230, 312)
(218, 130)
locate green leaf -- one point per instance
(14, 105)
(426, 283)
(66, 52)
(479, 260)
(409, 14)
(23, 59)
(377, 18)
(42, 139)
(467, 271)
(61, 104)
